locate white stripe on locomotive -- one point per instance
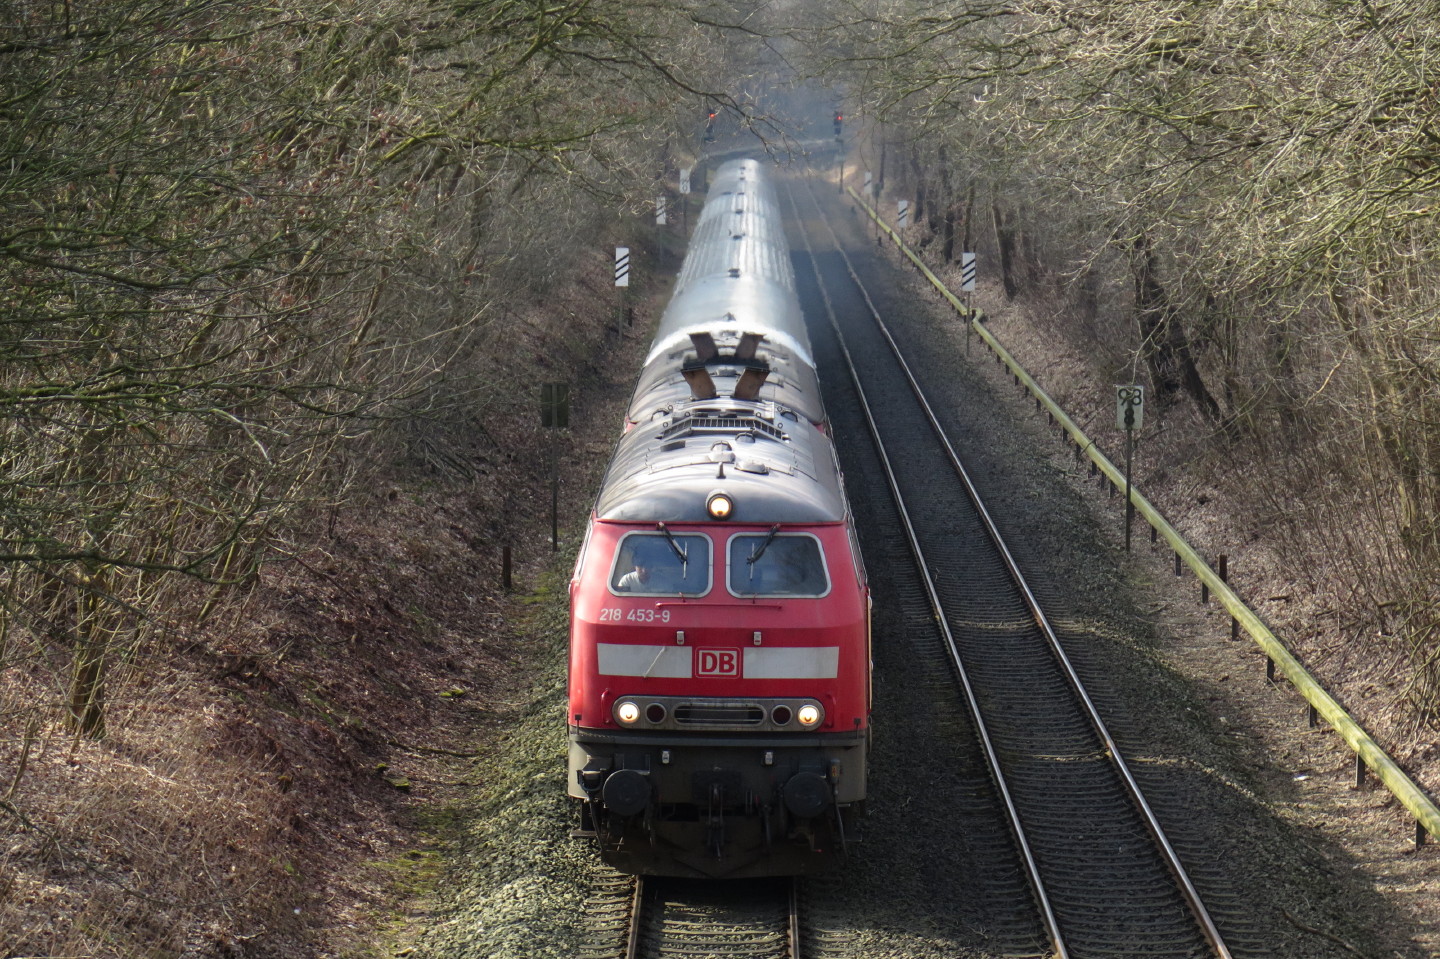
(677, 662)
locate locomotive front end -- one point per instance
(720, 722)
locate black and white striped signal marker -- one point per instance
(967, 272)
(660, 211)
(904, 210)
(622, 266)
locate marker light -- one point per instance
(809, 714)
(719, 506)
(627, 712)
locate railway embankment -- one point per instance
(1206, 486)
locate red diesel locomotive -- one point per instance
(719, 636)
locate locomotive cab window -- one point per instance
(653, 564)
(777, 564)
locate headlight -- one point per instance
(719, 506)
(627, 712)
(809, 715)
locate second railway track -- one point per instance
(1104, 880)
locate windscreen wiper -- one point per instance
(759, 551)
(680, 552)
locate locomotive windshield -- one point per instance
(777, 564)
(662, 564)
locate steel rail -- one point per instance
(992, 758)
(637, 909)
(1366, 749)
(794, 932)
(1132, 786)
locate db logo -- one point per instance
(717, 662)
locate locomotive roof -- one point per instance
(792, 381)
(776, 466)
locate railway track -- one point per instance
(647, 918)
(1101, 876)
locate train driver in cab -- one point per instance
(657, 570)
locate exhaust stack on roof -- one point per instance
(748, 387)
(702, 386)
(707, 353)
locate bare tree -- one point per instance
(1264, 173)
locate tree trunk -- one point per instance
(1282, 350)
(919, 184)
(1162, 339)
(967, 241)
(947, 200)
(1385, 411)
(1005, 244)
(87, 682)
